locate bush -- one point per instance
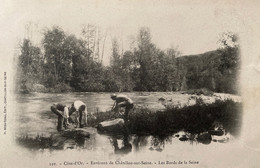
(61, 88)
(38, 142)
(202, 91)
(193, 119)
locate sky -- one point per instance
(192, 27)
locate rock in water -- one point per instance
(204, 138)
(113, 126)
(216, 132)
(75, 133)
(183, 138)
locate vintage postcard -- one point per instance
(120, 83)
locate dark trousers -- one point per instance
(80, 111)
(128, 107)
(60, 118)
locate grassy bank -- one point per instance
(194, 119)
(35, 143)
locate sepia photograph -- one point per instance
(128, 84)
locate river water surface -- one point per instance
(34, 115)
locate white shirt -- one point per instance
(78, 104)
(66, 112)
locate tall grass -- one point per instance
(194, 119)
(35, 143)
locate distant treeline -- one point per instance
(66, 63)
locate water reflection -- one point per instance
(124, 148)
(139, 142)
(158, 142)
(88, 139)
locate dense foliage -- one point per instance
(197, 118)
(66, 63)
(194, 119)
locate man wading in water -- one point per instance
(122, 101)
(64, 112)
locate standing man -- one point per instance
(122, 101)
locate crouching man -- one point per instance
(62, 111)
(81, 113)
(122, 101)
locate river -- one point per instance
(34, 118)
(34, 115)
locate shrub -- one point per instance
(194, 119)
(38, 142)
(202, 91)
(61, 87)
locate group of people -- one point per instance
(64, 111)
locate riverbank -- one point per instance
(199, 122)
(182, 112)
(196, 118)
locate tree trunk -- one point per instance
(102, 56)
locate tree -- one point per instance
(230, 61)
(30, 63)
(115, 63)
(170, 68)
(229, 47)
(128, 67)
(65, 61)
(75, 62)
(144, 55)
(53, 51)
